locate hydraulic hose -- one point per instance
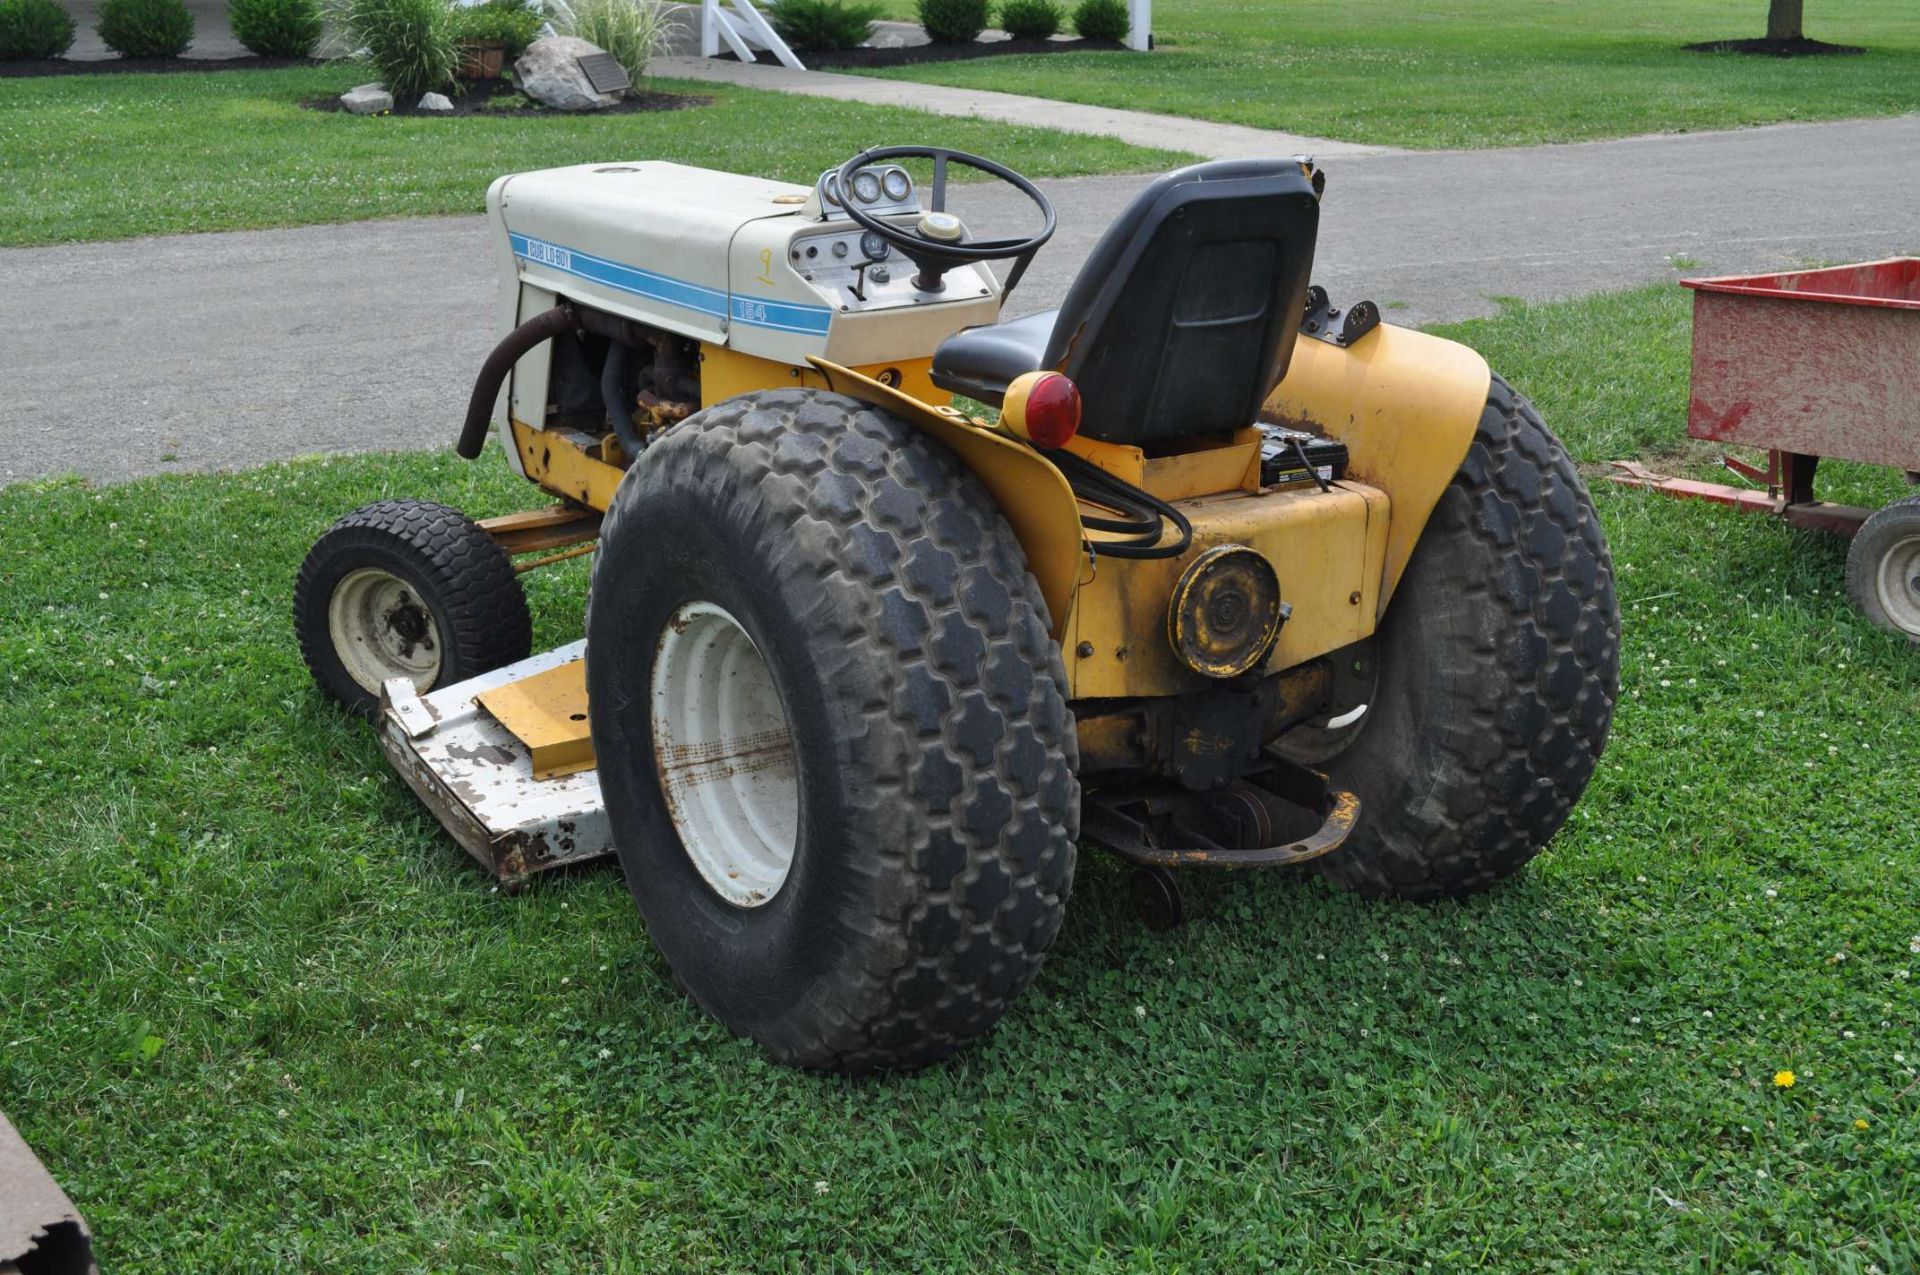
(493, 373)
(1143, 519)
(618, 399)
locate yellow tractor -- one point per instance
(1229, 577)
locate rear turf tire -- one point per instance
(406, 588)
(1883, 568)
(1498, 665)
(912, 841)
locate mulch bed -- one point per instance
(1775, 48)
(951, 52)
(147, 66)
(480, 92)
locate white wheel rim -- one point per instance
(724, 755)
(381, 629)
(1897, 585)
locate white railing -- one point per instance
(716, 25)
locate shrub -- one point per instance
(1031, 19)
(513, 23)
(826, 24)
(411, 43)
(276, 28)
(953, 21)
(33, 29)
(631, 30)
(146, 28)
(1101, 20)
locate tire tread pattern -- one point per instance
(466, 576)
(1514, 725)
(961, 761)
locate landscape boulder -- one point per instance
(368, 99)
(436, 102)
(549, 73)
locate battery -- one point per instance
(1296, 455)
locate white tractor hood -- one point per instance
(649, 240)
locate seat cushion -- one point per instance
(981, 362)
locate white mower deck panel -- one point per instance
(478, 780)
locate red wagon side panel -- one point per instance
(1823, 362)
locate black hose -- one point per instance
(493, 373)
(1143, 518)
(619, 399)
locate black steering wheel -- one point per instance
(936, 256)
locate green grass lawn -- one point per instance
(258, 1012)
(110, 156)
(1446, 73)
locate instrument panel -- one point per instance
(860, 270)
(884, 188)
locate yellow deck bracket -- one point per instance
(548, 713)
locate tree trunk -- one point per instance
(1783, 19)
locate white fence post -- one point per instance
(1140, 24)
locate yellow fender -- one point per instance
(1406, 405)
(1033, 496)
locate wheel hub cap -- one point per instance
(1898, 585)
(724, 755)
(381, 629)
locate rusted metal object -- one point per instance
(41, 1233)
(533, 530)
(478, 777)
(653, 413)
(1818, 362)
(1804, 364)
(1225, 613)
(1203, 739)
(1244, 825)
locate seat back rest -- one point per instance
(1184, 316)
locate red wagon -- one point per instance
(1810, 364)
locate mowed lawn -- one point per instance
(112, 156)
(1468, 73)
(258, 1012)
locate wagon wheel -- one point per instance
(1883, 568)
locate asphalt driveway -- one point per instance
(225, 350)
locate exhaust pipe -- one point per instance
(493, 373)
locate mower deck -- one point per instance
(479, 779)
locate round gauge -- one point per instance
(830, 189)
(875, 248)
(866, 186)
(898, 185)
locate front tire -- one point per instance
(832, 731)
(406, 588)
(1498, 663)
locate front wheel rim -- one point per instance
(380, 629)
(1897, 585)
(724, 755)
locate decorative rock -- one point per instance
(436, 102)
(367, 100)
(549, 73)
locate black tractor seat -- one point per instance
(1183, 318)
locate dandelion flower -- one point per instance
(1783, 1079)
(1859, 1124)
